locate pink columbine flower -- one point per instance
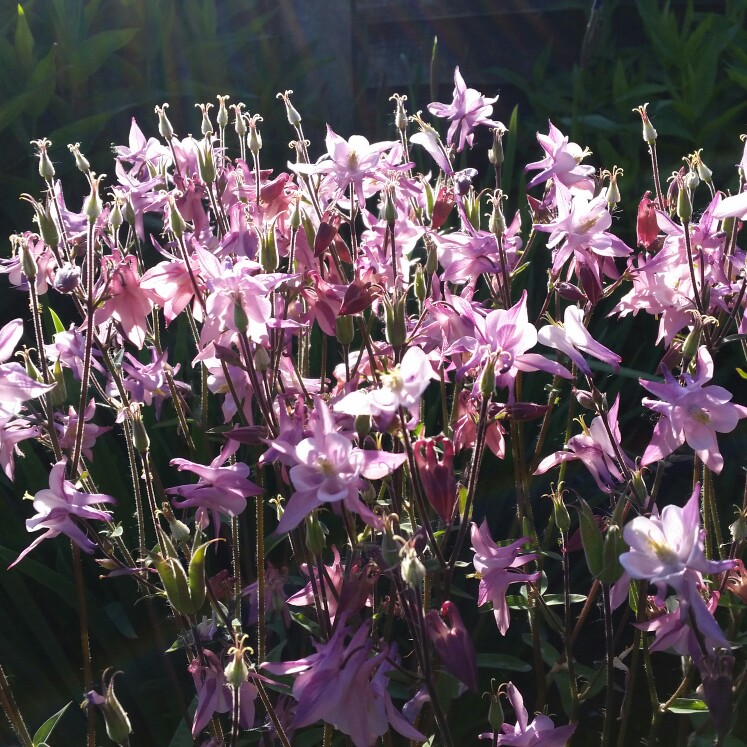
(349, 162)
(498, 568)
(668, 550)
(563, 161)
(220, 490)
(16, 386)
(572, 337)
(542, 730)
(595, 449)
(692, 412)
(401, 388)
(343, 685)
(57, 506)
(468, 109)
(329, 469)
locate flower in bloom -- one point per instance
(16, 386)
(595, 449)
(343, 685)
(541, 731)
(436, 472)
(58, 506)
(329, 469)
(562, 161)
(468, 109)
(498, 568)
(668, 550)
(220, 489)
(402, 388)
(692, 412)
(572, 337)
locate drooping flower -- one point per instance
(498, 568)
(220, 489)
(691, 412)
(468, 109)
(572, 337)
(453, 643)
(541, 731)
(345, 686)
(58, 506)
(595, 449)
(668, 550)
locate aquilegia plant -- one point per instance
(395, 417)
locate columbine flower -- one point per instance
(563, 161)
(691, 412)
(468, 109)
(523, 734)
(498, 567)
(453, 643)
(402, 388)
(344, 686)
(329, 469)
(572, 337)
(57, 505)
(668, 550)
(595, 449)
(219, 490)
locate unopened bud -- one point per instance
(315, 539)
(684, 204)
(254, 139)
(28, 261)
(206, 161)
(420, 284)
(116, 219)
(118, 727)
(175, 221)
(390, 209)
(240, 319)
(495, 152)
(400, 114)
(487, 379)
(80, 160)
(362, 426)
(206, 126)
(412, 569)
(344, 329)
(46, 169)
(692, 342)
(294, 118)
(66, 278)
(261, 359)
(560, 514)
(179, 530)
(495, 713)
(394, 322)
(92, 205)
(164, 126)
(58, 395)
(268, 251)
(140, 437)
(222, 117)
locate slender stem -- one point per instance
(568, 643)
(609, 642)
(10, 707)
(84, 640)
(261, 612)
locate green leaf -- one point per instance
(504, 662)
(58, 325)
(688, 705)
(43, 732)
(24, 40)
(94, 52)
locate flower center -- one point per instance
(662, 551)
(326, 467)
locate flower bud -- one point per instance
(362, 426)
(649, 133)
(80, 160)
(164, 126)
(394, 322)
(315, 538)
(46, 169)
(294, 118)
(400, 114)
(495, 713)
(261, 359)
(66, 278)
(487, 379)
(240, 319)
(412, 569)
(116, 219)
(28, 261)
(495, 152)
(254, 139)
(344, 329)
(118, 727)
(92, 205)
(175, 221)
(222, 117)
(684, 204)
(390, 209)
(419, 285)
(206, 161)
(206, 126)
(268, 251)
(560, 514)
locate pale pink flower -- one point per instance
(562, 161)
(468, 109)
(498, 567)
(58, 506)
(668, 550)
(541, 731)
(691, 412)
